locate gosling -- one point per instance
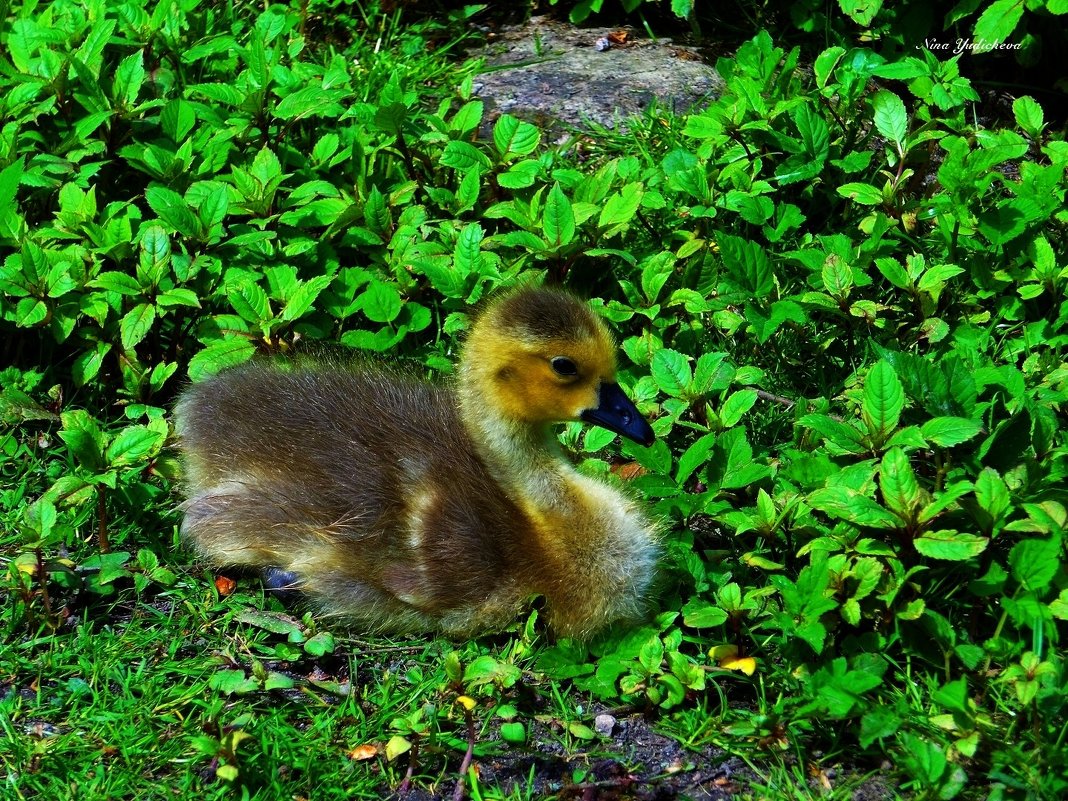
(411, 506)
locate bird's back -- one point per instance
(362, 482)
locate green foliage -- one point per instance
(580, 10)
(840, 301)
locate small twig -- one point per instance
(625, 782)
(458, 793)
(775, 398)
(365, 648)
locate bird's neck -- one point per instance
(526, 460)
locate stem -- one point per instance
(412, 757)
(458, 793)
(102, 522)
(42, 577)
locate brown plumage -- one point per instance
(408, 506)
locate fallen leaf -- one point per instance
(224, 585)
(362, 752)
(628, 471)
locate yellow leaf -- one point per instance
(745, 664)
(226, 772)
(468, 702)
(725, 651)
(727, 657)
(396, 746)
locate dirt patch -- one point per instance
(635, 762)
(558, 75)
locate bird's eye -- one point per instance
(564, 366)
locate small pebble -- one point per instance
(603, 725)
(602, 44)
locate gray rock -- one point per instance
(549, 72)
(604, 725)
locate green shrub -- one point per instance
(842, 302)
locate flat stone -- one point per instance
(604, 724)
(552, 73)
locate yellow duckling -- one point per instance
(410, 506)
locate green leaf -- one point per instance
(1034, 563)
(558, 221)
(272, 622)
(949, 431)
(30, 312)
(520, 175)
(837, 278)
(865, 194)
(897, 483)
(467, 117)
(694, 456)
(861, 12)
(487, 670)
(1028, 116)
(177, 119)
(847, 504)
(581, 731)
(136, 324)
(682, 8)
(732, 464)
(842, 437)
(513, 732)
(736, 406)
(884, 400)
(700, 614)
(877, 724)
(250, 301)
(213, 206)
(890, 118)
(122, 283)
(278, 681)
(748, 265)
(129, 77)
(381, 302)
(173, 210)
(304, 296)
(894, 272)
(320, 644)
(514, 137)
(88, 363)
(464, 156)
(671, 371)
(992, 493)
(179, 296)
(467, 255)
(620, 208)
(309, 101)
(389, 117)
(998, 21)
(132, 444)
(952, 546)
(219, 356)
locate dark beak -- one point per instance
(617, 413)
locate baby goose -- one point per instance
(410, 506)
